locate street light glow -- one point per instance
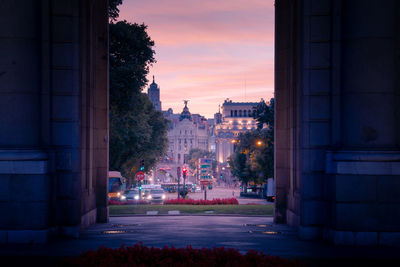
(259, 143)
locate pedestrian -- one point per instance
(233, 193)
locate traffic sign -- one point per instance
(205, 182)
(139, 176)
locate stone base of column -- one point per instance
(391, 239)
(25, 236)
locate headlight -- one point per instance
(163, 197)
(123, 197)
(149, 197)
(118, 194)
(136, 197)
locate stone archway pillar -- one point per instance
(337, 119)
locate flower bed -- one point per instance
(139, 255)
(128, 202)
(215, 201)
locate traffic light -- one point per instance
(221, 176)
(210, 186)
(140, 187)
(141, 165)
(184, 172)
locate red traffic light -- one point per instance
(184, 170)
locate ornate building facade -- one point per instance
(189, 131)
(236, 118)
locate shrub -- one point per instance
(215, 201)
(139, 255)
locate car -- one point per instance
(129, 195)
(156, 196)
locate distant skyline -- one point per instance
(208, 51)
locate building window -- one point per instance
(240, 113)
(179, 157)
(244, 113)
(235, 113)
(231, 113)
(249, 113)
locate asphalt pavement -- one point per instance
(242, 233)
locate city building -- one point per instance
(154, 95)
(187, 132)
(236, 118)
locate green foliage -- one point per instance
(196, 153)
(253, 159)
(137, 130)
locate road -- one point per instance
(242, 233)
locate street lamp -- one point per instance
(259, 143)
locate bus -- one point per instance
(116, 185)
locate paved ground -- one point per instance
(242, 233)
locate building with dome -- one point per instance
(186, 132)
(154, 95)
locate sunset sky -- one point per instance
(208, 50)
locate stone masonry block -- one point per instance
(367, 238)
(62, 29)
(312, 186)
(319, 107)
(313, 212)
(343, 238)
(355, 188)
(63, 54)
(5, 192)
(320, 55)
(320, 28)
(62, 7)
(357, 217)
(319, 81)
(389, 216)
(28, 188)
(65, 107)
(67, 184)
(3, 236)
(388, 188)
(66, 134)
(389, 239)
(319, 7)
(28, 237)
(63, 82)
(319, 133)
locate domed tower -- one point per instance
(154, 95)
(185, 113)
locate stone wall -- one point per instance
(337, 119)
(54, 118)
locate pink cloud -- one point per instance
(208, 50)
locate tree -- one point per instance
(137, 131)
(253, 157)
(113, 11)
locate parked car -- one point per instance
(156, 196)
(131, 194)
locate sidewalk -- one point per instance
(242, 233)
